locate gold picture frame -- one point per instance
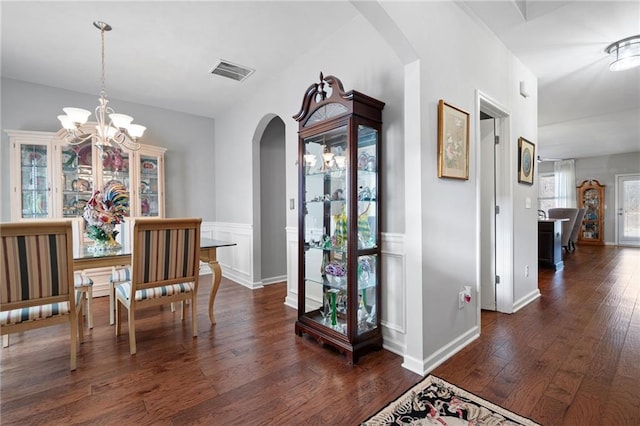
(453, 142)
(526, 161)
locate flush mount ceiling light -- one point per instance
(118, 131)
(624, 54)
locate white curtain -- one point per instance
(565, 177)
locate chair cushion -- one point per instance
(124, 290)
(80, 280)
(121, 275)
(34, 313)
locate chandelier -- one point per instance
(624, 54)
(118, 131)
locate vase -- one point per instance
(104, 242)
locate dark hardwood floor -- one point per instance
(572, 357)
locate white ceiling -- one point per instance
(160, 54)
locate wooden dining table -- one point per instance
(85, 257)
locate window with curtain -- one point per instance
(546, 192)
(565, 183)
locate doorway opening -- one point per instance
(495, 211)
(269, 206)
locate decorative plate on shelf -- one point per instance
(68, 158)
(81, 185)
(84, 155)
(148, 166)
(144, 187)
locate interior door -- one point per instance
(628, 209)
(488, 213)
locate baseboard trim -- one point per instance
(430, 363)
(274, 280)
(524, 301)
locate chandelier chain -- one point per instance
(103, 92)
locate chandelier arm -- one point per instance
(74, 137)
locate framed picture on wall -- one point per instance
(453, 142)
(526, 161)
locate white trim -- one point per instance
(423, 367)
(274, 280)
(504, 227)
(524, 301)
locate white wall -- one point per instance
(457, 58)
(188, 139)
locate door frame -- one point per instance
(617, 207)
(504, 221)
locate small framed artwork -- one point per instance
(453, 142)
(526, 156)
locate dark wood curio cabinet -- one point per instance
(591, 197)
(339, 288)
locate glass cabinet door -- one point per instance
(367, 184)
(35, 181)
(116, 168)
(149, 185)
(326, 228)
(77, 178)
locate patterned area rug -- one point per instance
(436, 402)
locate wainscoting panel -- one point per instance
(394, 295)
(236, 261)
(292, 268)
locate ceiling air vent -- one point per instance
(232, 71)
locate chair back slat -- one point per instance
(35, 265)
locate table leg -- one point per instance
(209, 255)
(216, 273)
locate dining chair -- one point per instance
(37, 287)
(164, 268)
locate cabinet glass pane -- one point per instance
(591, 222)
(77, 178)
(149, 186)
(115, 168)
(367, 178)
(326, 227)
(367, 303)
(34, 181)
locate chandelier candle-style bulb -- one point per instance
(118, 131)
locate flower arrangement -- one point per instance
(104, 211)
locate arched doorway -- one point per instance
(269, 205)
